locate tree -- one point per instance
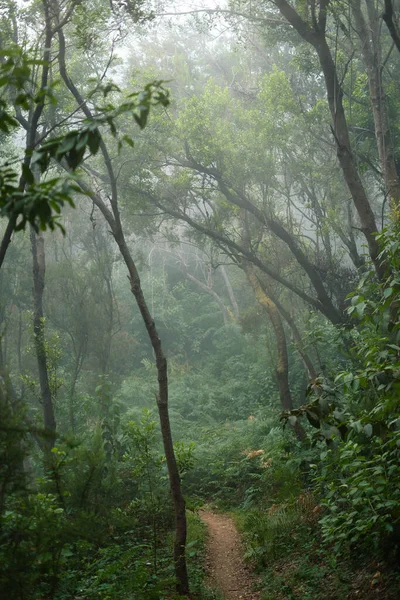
(389, 18)
(371, 51)
(314, 33)
(39, 270)
(210, 175)
(113, 218)
(282, 369)
(69, 150)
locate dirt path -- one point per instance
(226, 569)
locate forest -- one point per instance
(199, 299)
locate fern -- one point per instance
(269, 534)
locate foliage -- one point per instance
(361, 493)
(22, 197)
(123, 497)
(242, 163)
(270, 536)
(358, 416)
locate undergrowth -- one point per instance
(285, 546)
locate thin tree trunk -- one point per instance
(208, 290)
(296, 334)
(231, 294)
(282, 368)
(316, 36)
(114, 220)
(162, 405)
(39, 270)
(371, 53)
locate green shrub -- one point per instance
(362, 496)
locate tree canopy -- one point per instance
(199, 228)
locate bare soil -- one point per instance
(226, 569)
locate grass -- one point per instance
(285, 546)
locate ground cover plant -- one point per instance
(199, 297)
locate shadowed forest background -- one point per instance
(199, 296)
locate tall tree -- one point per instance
(112, 216)
(369, 32)
(314, 32)
(39, 271)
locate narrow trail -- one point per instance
(225, 564)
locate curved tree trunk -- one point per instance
(114, 222)
(113, 218)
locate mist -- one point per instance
(199, 300)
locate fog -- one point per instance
(199, 297)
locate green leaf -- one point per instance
(94, 141)
(388, 292)
(368, 430)
(313, 419)
(128, 140)
(67, 144)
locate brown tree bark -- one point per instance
(162, 400)
(162, 404)
(39, 270)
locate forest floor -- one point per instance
(304, 573)
(225, 565)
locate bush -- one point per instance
(362, 494)
(273, 534)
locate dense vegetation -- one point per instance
(199, 295)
